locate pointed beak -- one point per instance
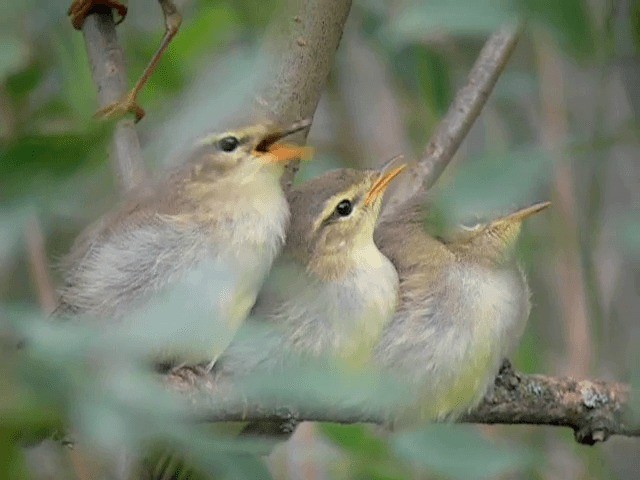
(387, 173)
(270, 150)
(521, 214)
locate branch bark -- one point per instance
(462, 113)
(106, 60)
(595, 410)
(304, 44)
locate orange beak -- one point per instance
(381, 184)
(283, 152)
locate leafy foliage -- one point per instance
(93, 385)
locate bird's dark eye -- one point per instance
(228, 144)
(344, 208)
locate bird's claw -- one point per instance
(79, 9)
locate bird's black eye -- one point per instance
(344, 208)
(228, 144)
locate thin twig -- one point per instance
(109, 76)
(595, 410)
(462, 113)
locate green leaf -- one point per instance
(415, 21)
(634, 21)
(568, 20)
(14, 55)
(490, 185)
(458, 452)
(369, 455)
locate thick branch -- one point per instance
(304, 44)
(107, 69)
(462, 113)
(595, 410)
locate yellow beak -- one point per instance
(381, 184)
(523, 213)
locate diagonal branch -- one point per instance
(109, 76)
(595, 410)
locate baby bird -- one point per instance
(463, 307)
(331, 292)
(220, 215)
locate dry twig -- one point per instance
(109, 76)
(595, 410)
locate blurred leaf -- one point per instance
(427, 74)
(488, 186)
(630, 233)
(21, 83)
(12, 463)
(369, 455)
(458, 451)
(25, 158)
(213, 25)
(568, 20)
(12, 227)
(416, 21)
(77, 90)
(356, 439)
(13, 55)
(634, 21)
(319, 164)
(319, 385)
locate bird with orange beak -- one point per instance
(212, 226)
(331, 292)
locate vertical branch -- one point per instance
(107, 69)
(304, 43)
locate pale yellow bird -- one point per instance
(212, 226)
(464, 303)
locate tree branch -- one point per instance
(303, 58)
(107, 69)
(462, 113)
(595, 410)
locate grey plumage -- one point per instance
(213, 225)
(331, 291)
(463, 307)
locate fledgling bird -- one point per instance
(222, 214)
(331, 291)
(463, 307)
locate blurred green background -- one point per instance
(562, 124)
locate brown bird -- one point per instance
(331, 292)
(464, 303)
(213, 224)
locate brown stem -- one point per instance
(595, 410)
(107, 68)
(303, 57)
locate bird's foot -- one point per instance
(79, 9)
(120, 108)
